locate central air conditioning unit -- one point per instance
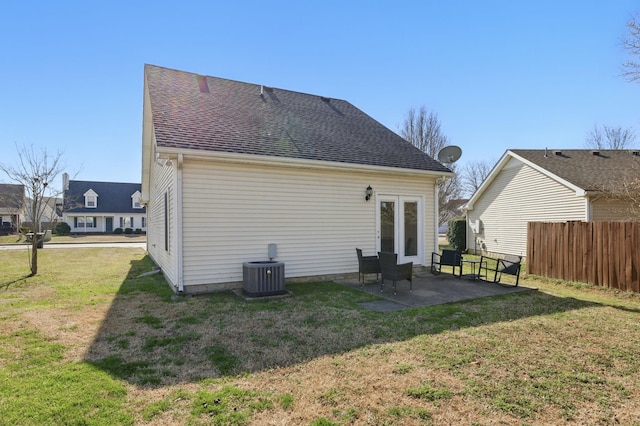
(264, 278)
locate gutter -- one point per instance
(269, 160)
(590, 202)
(436, 208)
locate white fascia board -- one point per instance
(169, 153)
(492, 175)
(148, 140)
(580, 192)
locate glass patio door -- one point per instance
(400, 229)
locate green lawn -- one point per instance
(90, 341)
(98, 238)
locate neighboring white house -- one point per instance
(229, 168)
(547, 186)
(102, 207)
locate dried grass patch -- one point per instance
(559, 356)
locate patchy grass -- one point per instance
(90, 341)
(36, 387)
(429, 393)
(65, 239)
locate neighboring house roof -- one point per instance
(11, 197)
(584, 170)
(195, 112)
(456, 204)
(111, 197)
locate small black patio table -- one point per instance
(474, 263)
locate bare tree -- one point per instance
(36, 171)
(473, 174)
(609, 137)
(632, 45)
(629, 191)
(422, 128)
(622, 198)
(449, 197)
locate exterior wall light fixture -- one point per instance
(369, 192)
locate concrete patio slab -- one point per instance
(429, 290)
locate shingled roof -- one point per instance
(195, 112)
(11, 197)
(113, 197)
(590, 170)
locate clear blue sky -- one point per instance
(499, 74)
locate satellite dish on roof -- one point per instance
(449, 154)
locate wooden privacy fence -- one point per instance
(600, 253)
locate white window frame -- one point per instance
(82, 222)
(90, 199)
(135, 200)
(399, 201)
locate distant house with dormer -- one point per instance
(102, 207)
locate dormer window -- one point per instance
(135, 200)
(90, 199)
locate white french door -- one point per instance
(400, 227)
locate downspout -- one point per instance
(436, 247)
(179, 224)
(590, 207)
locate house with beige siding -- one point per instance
(231, 169)
(549, 186)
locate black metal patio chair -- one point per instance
(390, 270)
(367, 265)
(496, 267)
(451, 258)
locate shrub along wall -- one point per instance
(457, 233)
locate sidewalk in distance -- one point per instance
(79, 239)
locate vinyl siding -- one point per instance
(603, 209)
(317, 218)
(163, 181)
(518, 195)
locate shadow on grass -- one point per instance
(150, 338)
(6, 285)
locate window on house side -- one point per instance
(166, 221)
(85, 222)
